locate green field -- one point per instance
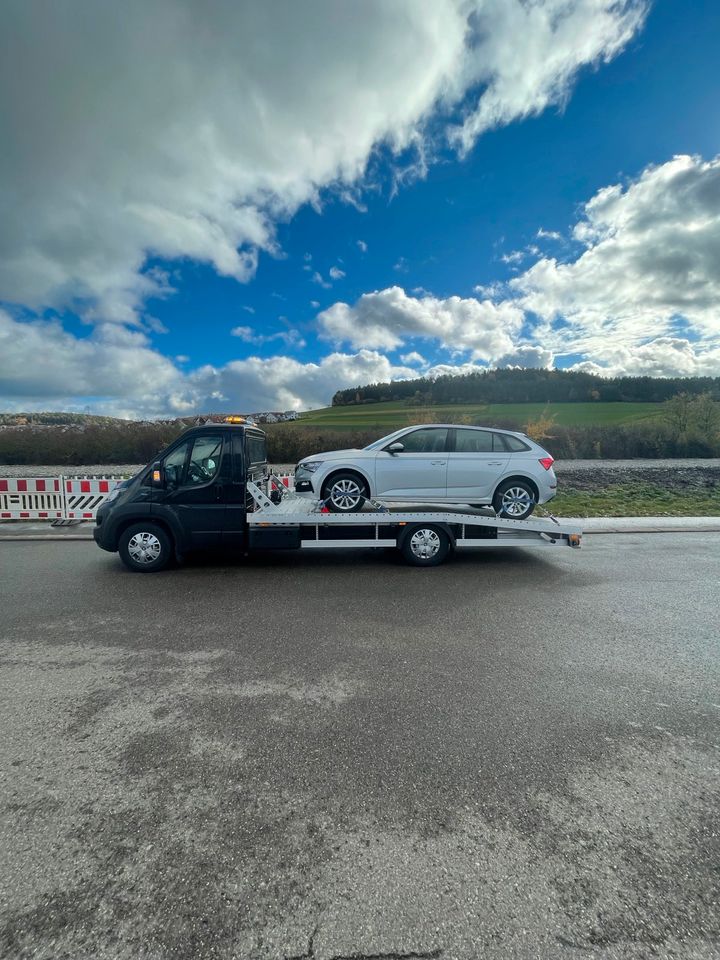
(394, 414)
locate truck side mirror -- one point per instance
(158, 479)
(396, 447)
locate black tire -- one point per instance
(345, 492)
(145, 548)
(425, 545)
(515, 499)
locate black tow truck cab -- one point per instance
(192, 497)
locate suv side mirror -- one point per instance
(396, 447)
(158, 480)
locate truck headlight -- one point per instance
(309, 465)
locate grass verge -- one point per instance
(636, 500)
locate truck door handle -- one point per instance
(495, 463)
(438, 463)
(218, 491)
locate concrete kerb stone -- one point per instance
(589, 525)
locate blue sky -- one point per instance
(565, 234)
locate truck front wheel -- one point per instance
(145, 548)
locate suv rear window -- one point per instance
(513, 444)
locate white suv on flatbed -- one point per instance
(435, 463)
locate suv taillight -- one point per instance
(546, 462)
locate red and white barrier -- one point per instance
(41, 498)
(60, 498)
(52, 498)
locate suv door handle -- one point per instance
(438, 463)
(495, 463)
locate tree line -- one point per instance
(528, 386)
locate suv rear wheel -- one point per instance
(344, 492)
(514, 499)
(145, 548)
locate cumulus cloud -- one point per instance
(527, 356)
(650, 253)
(663, 357)
(388, 318)
(118, 372)
(414, 358)
(167, 129)
(336, 273)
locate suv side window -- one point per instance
(473, 441)
(429, 440)
(204, 460)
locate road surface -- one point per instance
(514, 755)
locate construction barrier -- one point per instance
(60, 498)
(53, 498)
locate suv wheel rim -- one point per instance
(345, 494)
(144, 547)
(516, 501)
(425, 544)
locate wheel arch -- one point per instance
(518, 478)
(358, 471)
(161, 522)
(407, 531)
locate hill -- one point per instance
(394, 414)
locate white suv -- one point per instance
(437, 463)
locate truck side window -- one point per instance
(174, 466)
(256, 448)
(204, 460)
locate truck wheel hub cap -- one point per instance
(425, 544)
(144, 547)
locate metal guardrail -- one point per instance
(62, 498)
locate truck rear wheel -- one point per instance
(425, 545)
(145, 548)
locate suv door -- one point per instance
(419, 471)
(195, 488)
(476, 461)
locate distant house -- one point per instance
(271, 418)
(290, 415)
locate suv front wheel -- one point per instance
(344, 492)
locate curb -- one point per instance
(588, 525)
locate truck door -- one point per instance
(195, 489)
(234, 532)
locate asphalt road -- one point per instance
(514, 755)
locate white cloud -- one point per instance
(317, 277)
(362, 246)
(526, 355)
(651, 255)
(529, 53)
(291, 338)
(336, 273)
(115, 371)
(287, 384)
(414, 358)
(663, 357)
(548, 234)
(166, 130)
(388, 318)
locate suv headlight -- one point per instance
(309, 465)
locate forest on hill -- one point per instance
(528, 386)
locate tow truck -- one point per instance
(212, 488)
